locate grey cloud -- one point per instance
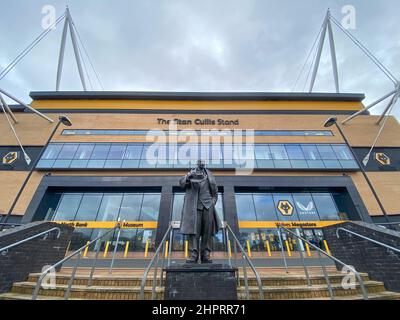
(200, 45)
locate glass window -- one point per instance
(245, 207)
(52, 151)
(68, 151)
(278, 152)
(285, 208)
(84, 151)
(326, 152)
(133, 155)
(62, 163)
(311, 152)
(133, 152)
(100, 152)
(130, 207)
(305, 206)
(342, 152)
(326, 206)
(219, 207)
(117, 152)
(109, 208)
(89, 207)
(113, 164)
(262, 152)
(68, 206)
(264, 205)
(150, 207)
(294, 152)
(94, 164)
(177, 206)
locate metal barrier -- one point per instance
(163, 252)
(45, 233)
(390, 225)
(319, 251)
(366, 238)
(246, 258)
(77, 253)
(6, 226)
(154, 264)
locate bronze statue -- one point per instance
(199, 218)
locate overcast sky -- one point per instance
(191, 45)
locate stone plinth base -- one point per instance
(200, 282)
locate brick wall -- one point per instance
(16, 263)
(380, 263)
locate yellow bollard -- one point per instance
(308, 249)
(86, 250)
(229, 249)
(106, 249)
(126, 249)
(166, 249)
(288, 248)
(186, 249)
(248, 248)
(268, 248)
(327, 248)
(146, 248)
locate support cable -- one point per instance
(366, 51)
(309, 70)
(393, 103)
(7, 69)
(87, 55)
(308, 57)
(84, 67)
(27, 159)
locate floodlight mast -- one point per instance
(68, 24)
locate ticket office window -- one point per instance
(110, 207)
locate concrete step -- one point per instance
(135, 280)
(385, 295)
(132, 292)
(309, 292)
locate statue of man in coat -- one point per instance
(199, 218)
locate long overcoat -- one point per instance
(189, 210)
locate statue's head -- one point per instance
(201, 164)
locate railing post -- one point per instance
(328, 282)
(171, 236)
(246, 283)
(301, 248)
(282, 249)
(98, 246)
(71, 280)
(153, 290)
(115, 251)
(228, 247)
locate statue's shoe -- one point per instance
(192, 260)
(206, 261)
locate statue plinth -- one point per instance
(200, 282)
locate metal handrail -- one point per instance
(252, 267)
(154, 259)
(319, 250)
(46, 232)
(366, 238)
(78, 253)
(5, 224)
